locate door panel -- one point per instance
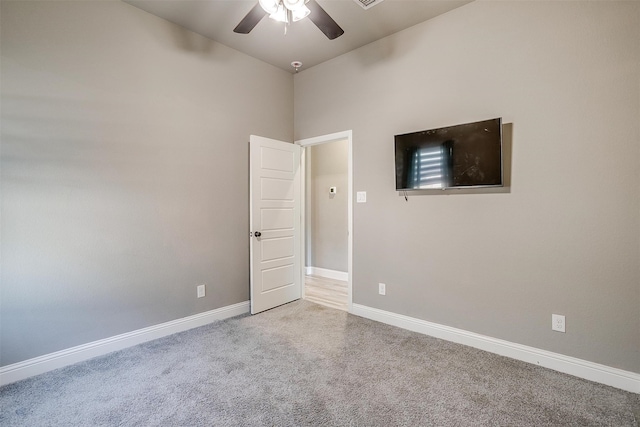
(276, 159)
(275, 204)
(277, 248)
(277, 219)
(277, 277)
(276, 189)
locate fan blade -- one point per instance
(254, 16)
(323, 21)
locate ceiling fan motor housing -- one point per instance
(294, 4)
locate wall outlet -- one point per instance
(201, 291)
(557, 322)
(382, 289)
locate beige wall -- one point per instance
(327, 227)
(565, 238)
(124, 171)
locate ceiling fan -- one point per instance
(288, 11)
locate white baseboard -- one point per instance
(48, 362)
(329, 274)
(625, 380)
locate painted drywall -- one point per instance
(564, 237)
(327, 228)
(124, 171)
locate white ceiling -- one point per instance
(304, 42)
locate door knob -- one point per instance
(257, 234)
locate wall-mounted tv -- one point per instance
(461, 156)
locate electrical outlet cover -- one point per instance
(382, 289)
(558, 322)
(201, 291)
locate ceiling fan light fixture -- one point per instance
(294, 5)
(281, 14)
(269, 6)
(301, 13)
(288, 11)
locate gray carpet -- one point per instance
(304, 364)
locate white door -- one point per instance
(276, 269)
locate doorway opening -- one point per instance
(327, 219)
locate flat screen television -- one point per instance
(461, 156)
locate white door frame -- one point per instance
(308, 142)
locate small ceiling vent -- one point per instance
(367, 4)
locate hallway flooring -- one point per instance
(330, 292)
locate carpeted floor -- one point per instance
(305, 364)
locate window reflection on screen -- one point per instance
(427, 168)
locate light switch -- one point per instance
(361, 197)
(333, 190)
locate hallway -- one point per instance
(330, 292)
